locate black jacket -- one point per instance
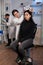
(27, 30)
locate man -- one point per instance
(5, 20)
(11, 31)
(17, 21)
(7, 17)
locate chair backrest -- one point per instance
(35, 29)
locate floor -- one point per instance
(8, 56)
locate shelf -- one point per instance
(39, 5)
(36, 14)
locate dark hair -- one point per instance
(7, 14)
(14, 11)
(28, 12)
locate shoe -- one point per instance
(8, 46)
(23, 61)
(29, 61)
(18, 60)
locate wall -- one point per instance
(15, 4)
(42, 26)
(0, 17)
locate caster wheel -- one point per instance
(20, 63)
(29, 63)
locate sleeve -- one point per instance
(18, 21)
(21, 19)
(15, 20)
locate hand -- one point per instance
(19, 43)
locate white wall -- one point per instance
(42, 26)
(16, 4)
(0, 18)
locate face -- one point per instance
(27, 16)
(7, 17)
(16, 14)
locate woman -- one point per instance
(26, 36)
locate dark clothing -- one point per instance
(25, 37)
(19, 49)
(7, 20)
(24, 46)
(9, 40)
(27, 30)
